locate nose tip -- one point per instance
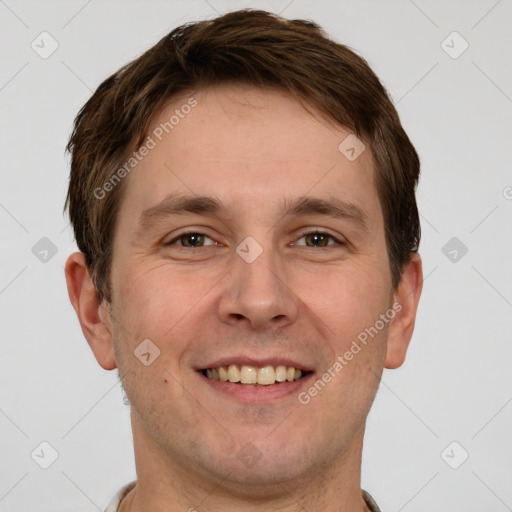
(257, 295)
(259, 321)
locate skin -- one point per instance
(250, 149)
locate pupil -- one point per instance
(192, 239)
(318, 239)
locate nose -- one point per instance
(256, 294)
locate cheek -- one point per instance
(170, 308)
(347, 300)
(153, 300)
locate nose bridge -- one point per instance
(257, 293)
(261, 277)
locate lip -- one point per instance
(250, 394)
(256, 362)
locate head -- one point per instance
(250, 133)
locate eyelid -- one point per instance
(302, 234)
(321, 231)
(176, 237)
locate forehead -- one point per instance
(249, 116)
(243, 143)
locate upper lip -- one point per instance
(256, 362)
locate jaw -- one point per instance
(253, 461)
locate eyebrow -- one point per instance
(179, 205)
(332, 207)
(211, 206)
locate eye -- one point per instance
(192, 240)
(318, 239)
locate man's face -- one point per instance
(209, 298)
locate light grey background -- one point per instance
(456, 384)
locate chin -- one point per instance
(264, 463)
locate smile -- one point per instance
(255, 376)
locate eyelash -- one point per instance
(184, 234)
(318, 232)
(304, 234)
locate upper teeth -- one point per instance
(245, 374)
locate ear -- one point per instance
(93, 314)
(401, 328)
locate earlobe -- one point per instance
(92, 314)
(402, 326)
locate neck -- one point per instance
(161, 481)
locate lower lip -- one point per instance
(248, 393)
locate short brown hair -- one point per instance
(247, 47)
